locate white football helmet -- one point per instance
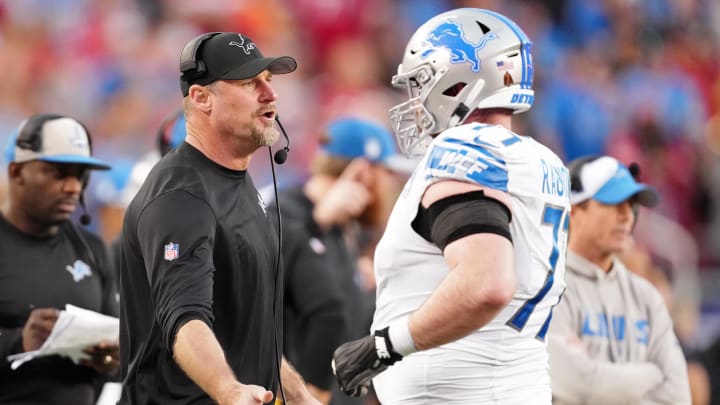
(456, 62)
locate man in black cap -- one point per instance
(201, 282)
(47, 262)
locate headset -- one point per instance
(281, 155)
(576, 169)
(28, 138)
(28, 135)
(190, 67)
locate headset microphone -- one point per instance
(85, 219)
(281, 155)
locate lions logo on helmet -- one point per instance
(443, 91)
(450, 36)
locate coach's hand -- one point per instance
(356, 363)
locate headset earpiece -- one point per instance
(190, 67)
(575, 170)
(28, 136)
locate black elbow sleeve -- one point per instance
(457, 216)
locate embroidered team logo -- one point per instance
(79, 270)
(243, 44)
(78, 138)
(172, 251)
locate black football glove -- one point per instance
(356, 363)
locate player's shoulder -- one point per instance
(475, 153)
(495, 140)
(477, 136)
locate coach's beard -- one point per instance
(266, 136)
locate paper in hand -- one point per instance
(74, 330)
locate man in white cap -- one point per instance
(47, 262)
(611, 339)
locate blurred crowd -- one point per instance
(635, 79)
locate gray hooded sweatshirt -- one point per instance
(611, 340)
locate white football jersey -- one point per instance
(505, 360)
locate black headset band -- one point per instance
(575, 169)
(190, 66)
(29, 134)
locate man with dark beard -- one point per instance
(340, 209)
(199, 272)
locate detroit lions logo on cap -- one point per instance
(77, 136)
(241, 43)
(449, 35)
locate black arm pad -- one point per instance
(460, 215)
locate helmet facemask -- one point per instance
(411, 121)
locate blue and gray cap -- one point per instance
(351, 138)
(52, 138)
(606, 180)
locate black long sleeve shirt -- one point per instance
(49, 272)
(196, 244)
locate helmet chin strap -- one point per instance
(458, 115)
(463, 110)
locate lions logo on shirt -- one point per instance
(79, 270)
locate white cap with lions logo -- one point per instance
(60, 140)
(609, 182)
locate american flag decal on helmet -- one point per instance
(504, 65)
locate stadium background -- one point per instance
(636, 79)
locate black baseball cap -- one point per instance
(226, 56)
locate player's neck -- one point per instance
(492, 116)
